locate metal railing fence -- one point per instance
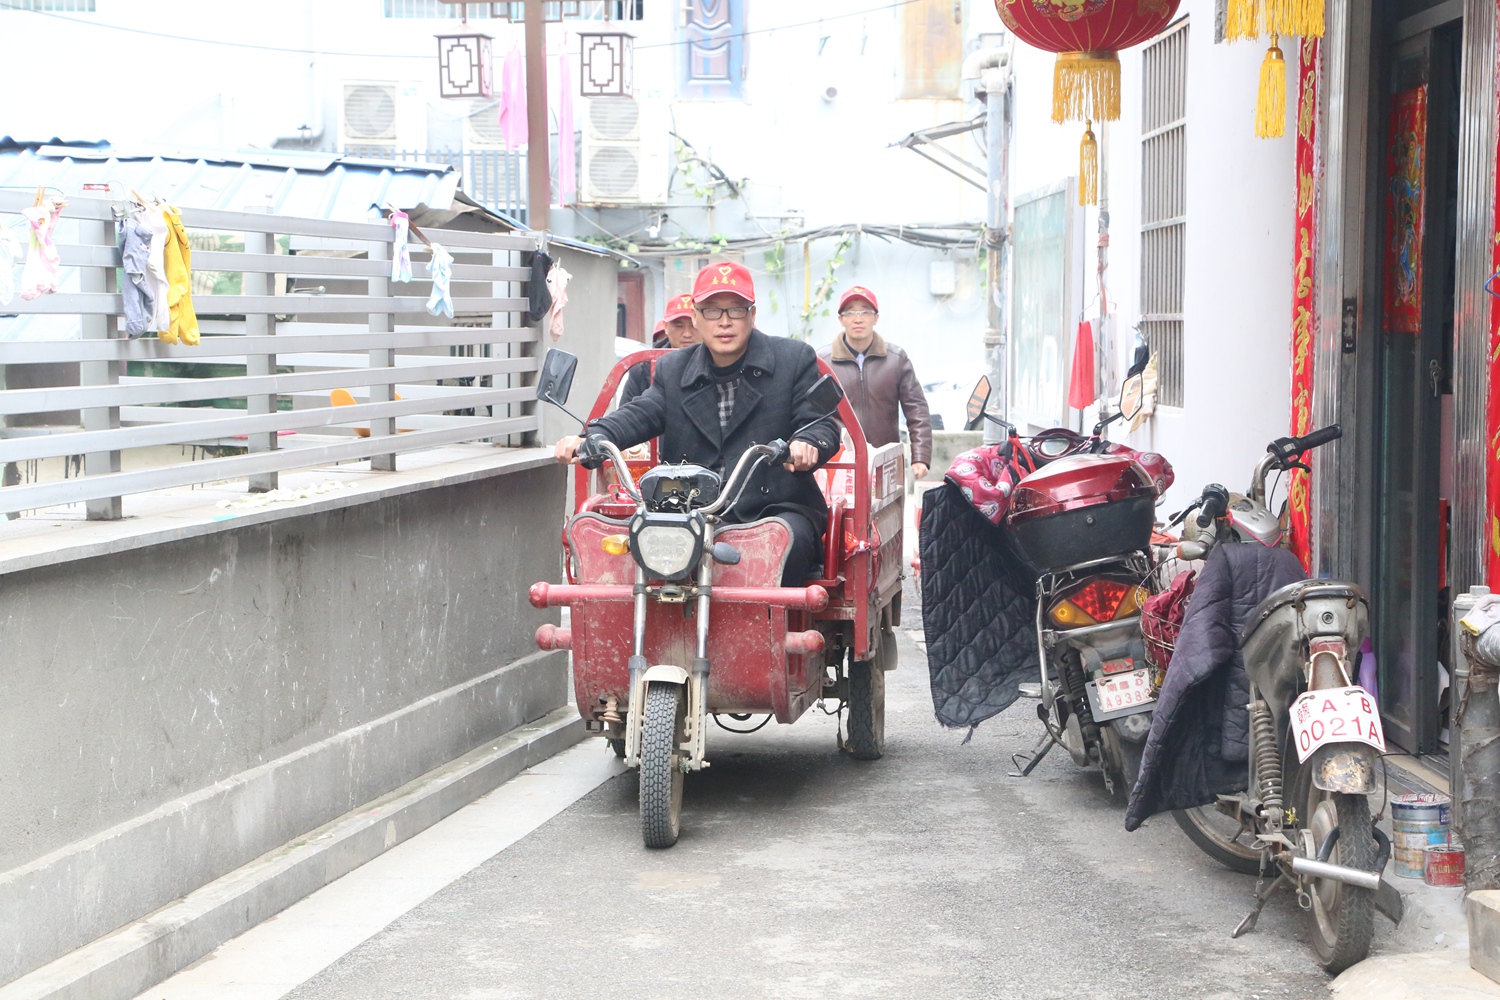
(496, 178)
(320, 318)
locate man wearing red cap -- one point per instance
(677, 330)
(710, 402)
(878, 378)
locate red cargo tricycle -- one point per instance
(677, 616)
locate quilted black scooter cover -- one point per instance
(978, 611)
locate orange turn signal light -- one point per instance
(615, 545)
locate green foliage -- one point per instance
(823, 292)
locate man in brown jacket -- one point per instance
(877, 376)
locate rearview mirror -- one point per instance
(1132, 396)
(825, 394)
(978, 400)
(555, 381)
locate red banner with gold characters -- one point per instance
(1299, 493)
(1492, 412)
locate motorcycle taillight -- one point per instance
(1099, 599)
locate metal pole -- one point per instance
(1104, 354)
(999, 101)
(538, 166)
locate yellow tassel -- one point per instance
(1086, 87)
(1242, 20)
(1088, 167)
(1250, 19)
(1270, 104)
(1299, 18)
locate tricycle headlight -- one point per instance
(667, 546)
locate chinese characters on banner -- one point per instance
(1492, 418)
(1300, 489)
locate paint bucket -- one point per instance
(1443, 865)
(1418, 821)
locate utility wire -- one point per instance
(86, 22)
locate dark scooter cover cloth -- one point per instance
(978, 611)
(1198, 744)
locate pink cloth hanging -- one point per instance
(513, 100)
(567, 177)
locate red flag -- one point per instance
(1081, 387)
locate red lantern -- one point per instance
(1087, 36)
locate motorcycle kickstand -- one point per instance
(1049, 740)
(1248, 924)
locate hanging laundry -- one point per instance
(40, 274)
(539, 299)
(1081, 386)
(400, 249)
(155, 222)
(567, 177)
(512, 119)
(10, 249)
(557, 284)
(439, 303)
(135, 249)
(179, 263)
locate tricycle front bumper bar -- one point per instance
(547, 595)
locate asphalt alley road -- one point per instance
(804, 873)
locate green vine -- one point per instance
(823, 293)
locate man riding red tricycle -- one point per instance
(678, 613)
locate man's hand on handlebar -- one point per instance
(566, 450)
(804, 457)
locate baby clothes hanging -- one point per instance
(155, 222)
(400, 249)
(557, 283)
(135, 248)
(179, 265)
(10, 249)
(440, 269)
(40, 274)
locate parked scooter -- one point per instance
(1083, 521)
(1314, 735)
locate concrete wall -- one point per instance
(588, 332)
(1238, 308)
(173, 711)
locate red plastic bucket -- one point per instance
(1443, 865)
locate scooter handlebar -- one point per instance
(1215, 503)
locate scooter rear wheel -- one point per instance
(661, 777)
(1341, 919)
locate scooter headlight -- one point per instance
(667, 546)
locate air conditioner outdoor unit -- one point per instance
(482, 127)
(368, 116)
(625, 146)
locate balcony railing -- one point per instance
(313, 310)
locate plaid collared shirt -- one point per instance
(726, 401)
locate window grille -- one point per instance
(515, 10)
(1164, 206)
(72, 6)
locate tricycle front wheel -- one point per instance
(866, 739)
(661, 777)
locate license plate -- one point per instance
(1335, 715)
(1124, 690)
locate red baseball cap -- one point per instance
(859, 292)
(661, 327)
(724, 277)
(678, 307)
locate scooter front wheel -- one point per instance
(662, 731)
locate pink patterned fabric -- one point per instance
(987, 478)
(567, 179)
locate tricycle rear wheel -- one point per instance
(866, 740)
(661, 776)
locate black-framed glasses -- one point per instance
(860, 312)
(734, 312)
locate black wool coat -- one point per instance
(681, 406)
